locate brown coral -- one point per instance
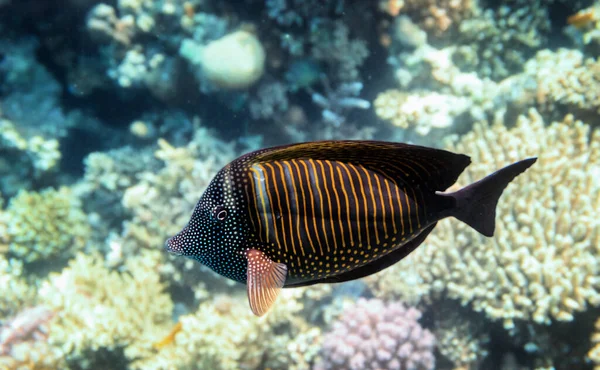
(435, 16)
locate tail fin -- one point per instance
(476, 203)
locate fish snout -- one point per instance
(174, 245)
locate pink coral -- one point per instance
(28, 324)
(375, 335)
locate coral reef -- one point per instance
(541, 264)
(26, 83)
(97, 309)
(271, 101)
(375, 335)
(501, 40)
(23, 341)
(424, 112)
(435, 97)
(585, 27)
(115, 116)
(16, 292)
(36, 157)
(331, 44)
(106, 178)
(335, 102)
(460, 336)
(160, 201)
(566, 81)
(594, 353)
(211, 339)
(41, 226)
(235, 61)
(437, 17)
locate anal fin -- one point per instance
(265, 278)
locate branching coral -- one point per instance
(35, 156)
(331, 43)
(501, 40)
(271, 101)
(103, 25)
(216, 336)
(107, 176)
(435, 16)
(565, 79)
(131, 62)
(460, 336)
(594, 353)
(542, 263)
(16, 293)
(222, 334)
(422, 112)
(97, 308)
(42, 154)
(375, 335)
(45, 225)
(334, 103)
(439, 95)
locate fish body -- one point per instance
(328, 212)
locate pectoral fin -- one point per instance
(265, 279)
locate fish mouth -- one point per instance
(173, 247)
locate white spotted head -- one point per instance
(218, 227)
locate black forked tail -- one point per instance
(476, 203)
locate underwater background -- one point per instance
(115, 115)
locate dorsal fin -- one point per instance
(413, 165)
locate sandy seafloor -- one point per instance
(115, 115)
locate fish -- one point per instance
(330, 212)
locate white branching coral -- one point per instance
(565, 78)
(434, 93)
(542, 263)
(422, 111)
(15, 292)
(98, 308)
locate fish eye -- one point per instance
(220, 213)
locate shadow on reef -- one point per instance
(565, 343)
(105, 358)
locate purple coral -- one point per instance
(375, 335)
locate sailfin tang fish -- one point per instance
(330, 211)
